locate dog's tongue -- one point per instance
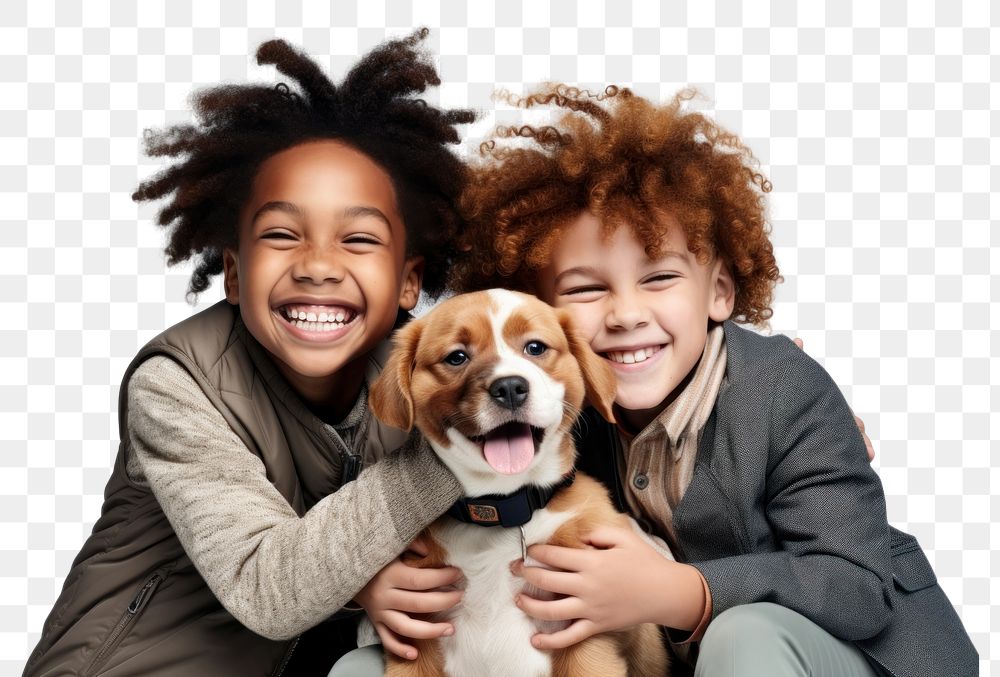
(510, 448)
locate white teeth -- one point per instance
(313, 321)
(317, 326)
(632, 356)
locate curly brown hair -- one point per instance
(629, 162)
(373, 109)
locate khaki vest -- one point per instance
(133, 603)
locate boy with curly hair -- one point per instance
(647, 224)
(238, 521)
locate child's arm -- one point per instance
(277, 573)
(825, 508)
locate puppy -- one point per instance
(494, 380)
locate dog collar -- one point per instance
(509, 510)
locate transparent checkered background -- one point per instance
(875, 121)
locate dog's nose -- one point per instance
(509, 391)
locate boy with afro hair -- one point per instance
(647, 224)
(246, 507)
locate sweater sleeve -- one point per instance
(826, 509)
(277, 573)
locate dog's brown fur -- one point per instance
(416, 390)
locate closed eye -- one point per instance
(362, 239)
(661, 277)
(591, 289)
(277, 235)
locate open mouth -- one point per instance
(510, 448)
(317, 318)
(632, 356)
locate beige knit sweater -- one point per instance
(277, 573)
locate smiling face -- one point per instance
(494, 381)
(647, 318)
(321, 267)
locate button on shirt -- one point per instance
(660, 459)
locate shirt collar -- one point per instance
(692, 407)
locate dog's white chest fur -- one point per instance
(492, 636)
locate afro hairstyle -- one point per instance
(374, 109)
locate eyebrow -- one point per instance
(579, 270)
(590, 270)
(277, 206)
(362, 210)
(349, 213)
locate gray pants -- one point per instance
(364, 662)
(746, 641)
(772, 641)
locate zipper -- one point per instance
(287, 658)
(354, 459)
(135, 607)
(352, 467)
(350, 461)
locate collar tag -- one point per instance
(511, 510)
(483, 514)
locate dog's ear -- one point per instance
(598, 378)
(390, 398)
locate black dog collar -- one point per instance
(510, 510)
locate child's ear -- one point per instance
(413, 275)
(723, 292)
(230, 275)
(598, 378)
(390, 398)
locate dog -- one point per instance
(494, 381)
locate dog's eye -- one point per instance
(535, 348)
(456, 358)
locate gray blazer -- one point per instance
(784, 507)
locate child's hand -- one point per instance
(869, 448)
(621, 582)
(399, 590)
